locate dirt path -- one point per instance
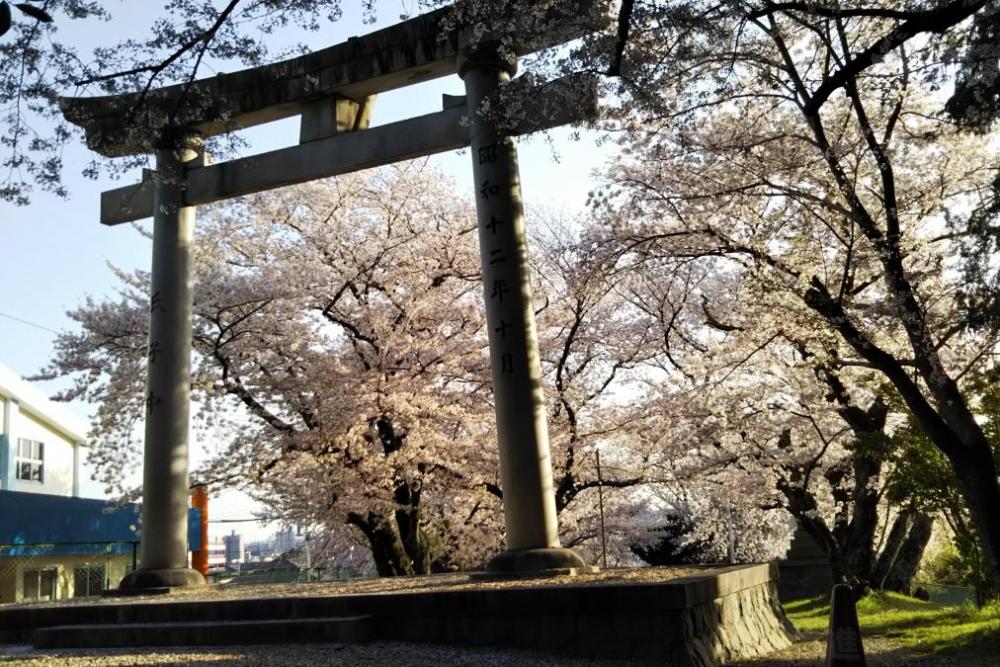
(880, 652)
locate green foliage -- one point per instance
(927, 627)
(946, 567)
(923, 477)
(989, 406)
(974, 566)
(961, 563)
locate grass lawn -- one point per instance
(924, 627)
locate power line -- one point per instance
(30, 324)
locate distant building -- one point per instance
(42, 446)
(216, 553)
(286, 540)
(235, 552)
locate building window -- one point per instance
(30, 462)
(39, 585)
(88, 580)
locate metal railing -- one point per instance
(281, 574)
(947, 594)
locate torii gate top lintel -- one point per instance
(416, 50)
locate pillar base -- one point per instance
(547, 562)
(178, 577)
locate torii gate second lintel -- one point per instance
(335, 139)
(343, 152)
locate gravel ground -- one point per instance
(381, 654)
(881, 652)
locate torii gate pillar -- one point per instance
(522, 431)
(168, 384)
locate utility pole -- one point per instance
(600, 505)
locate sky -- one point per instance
(54, 253)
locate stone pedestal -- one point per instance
(525, 467)
(168, 385)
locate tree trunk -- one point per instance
(950, 425)
(857, 493)
(412, 536)
(850, 544)
(857, 538)
(901, 574)
(893, 543)
(977, 479)
(852, 564)
(398, 543)
(387, 550)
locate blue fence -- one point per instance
(65, 525)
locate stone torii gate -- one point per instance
(333, 91)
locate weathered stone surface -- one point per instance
(165, 481)
(422, 48)
(540, 560)
(157, 580)
(350, 151)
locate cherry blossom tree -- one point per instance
(800, 146)
(341, 323)
(808, 153)
(751, 408)
(339, 347)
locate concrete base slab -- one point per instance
(535, 560)
(144, 580)
(534, 574)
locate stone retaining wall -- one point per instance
(703, 620)
(745, 624)
(713, 616)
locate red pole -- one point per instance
(199, 499)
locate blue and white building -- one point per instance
(42, 444)
(54, 542)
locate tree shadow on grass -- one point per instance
(928, 631)
(879, 652)
(809, 606)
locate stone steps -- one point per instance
(351, 629)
